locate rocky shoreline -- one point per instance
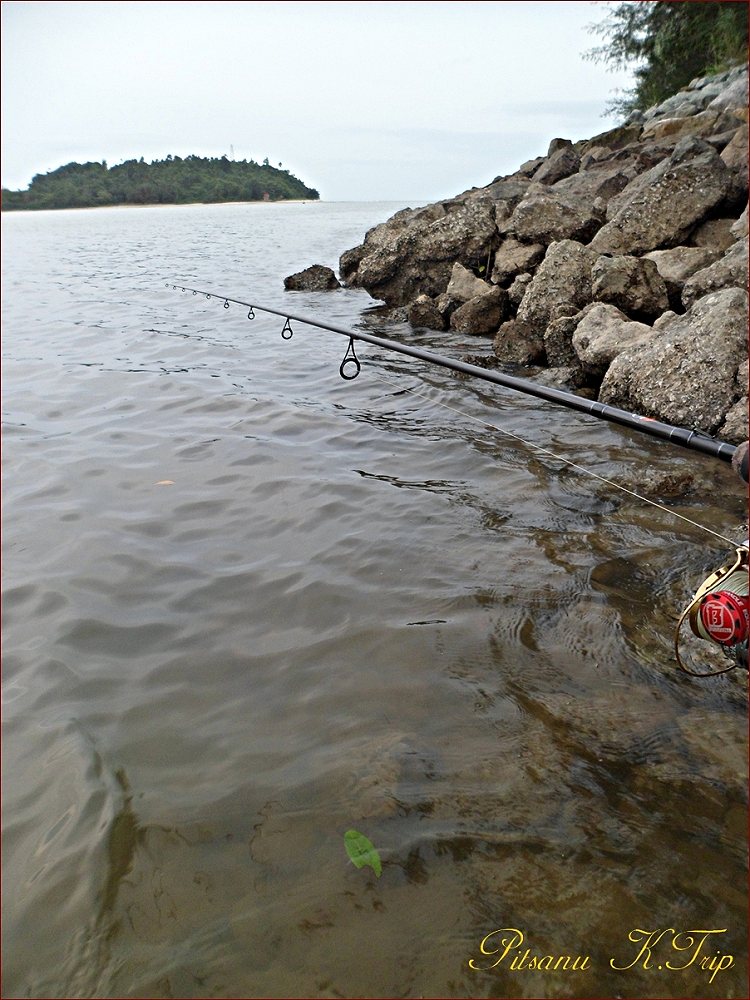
(618, 265)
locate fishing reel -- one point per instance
(720, 613)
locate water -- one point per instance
(249, 606)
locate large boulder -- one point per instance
(603, 333)
(630, 283)
(660, 207)
(733, 95)
(404, 261)
(315, 278)
(704, 124)
(687, 374)
(384, 233)
(514, 258)
(677, 264)
(545, 216)
(730, 271)
(483, 314)
(560, 287)
(602, 180)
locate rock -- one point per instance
(401, 261)
(664, 320)
(603, 333)
(446, 306)
(660, 207)
(604, 180)
(714, 233)
(465, 285)
(483, 314)
(529, 166)
(678, 264)
(742, 379)
(558, 144)
(515, 258)
(547, 216)
(739, 229)
(516, 344)
(573, 377)
(706, 123)
(735, 426)
(614, 138)
(560, 287)
(686, 375)
(732, 96)
(423, 312)
(316, 278)
(631, 284)
(518, 289)
(727, 272)
(385, 233)
(562, 163)
(558, 341)
(593, 156)
(735, 157)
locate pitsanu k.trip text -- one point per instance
(667, 950)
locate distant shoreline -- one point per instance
(161, 204)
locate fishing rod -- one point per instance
(351, 366)
(719, 610)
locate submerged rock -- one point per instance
(316, 278)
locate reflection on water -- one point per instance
(249, 606)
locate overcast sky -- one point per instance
(364, 101)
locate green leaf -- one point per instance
(361, 851)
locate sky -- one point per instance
(365, 101)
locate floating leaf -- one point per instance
(361, 851)
(165, 482)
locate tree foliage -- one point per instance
(672, 43)
(174, 180)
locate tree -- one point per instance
(672, 41)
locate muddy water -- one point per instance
(249, 606)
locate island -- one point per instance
(174, 180)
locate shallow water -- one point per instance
(249, 606)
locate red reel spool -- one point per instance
(725, 616)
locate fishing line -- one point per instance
(559, 458)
